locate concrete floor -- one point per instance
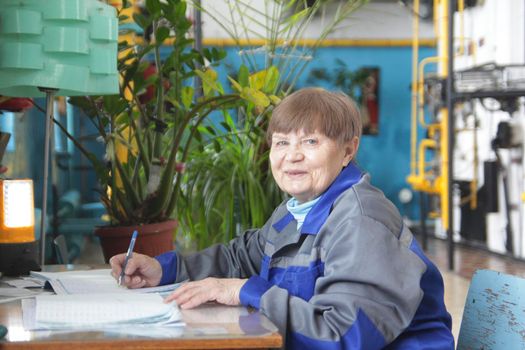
(456, 288)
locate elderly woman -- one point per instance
(334, 267)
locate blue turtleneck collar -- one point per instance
(319, 212)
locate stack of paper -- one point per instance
(92, 311)
(92, 299)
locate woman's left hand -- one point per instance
(222, 290)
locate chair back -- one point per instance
(494, 313)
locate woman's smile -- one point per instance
(295, 173)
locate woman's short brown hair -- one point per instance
(314, 109)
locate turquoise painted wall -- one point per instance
(386, 156)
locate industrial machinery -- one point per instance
(469, 158)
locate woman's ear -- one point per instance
(350, 148)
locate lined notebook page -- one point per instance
(74, 285)
(93, 281)
(77, 310)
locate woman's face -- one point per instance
(304, 165)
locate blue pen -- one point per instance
(128, 255)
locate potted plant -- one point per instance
(150, 128)
(228, 186)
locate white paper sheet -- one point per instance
(95, 310)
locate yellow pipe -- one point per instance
(443, 114)
(418, 178)
(423, 145)
(324, 43)
(433, 130)
(224, 42)
(422, 181)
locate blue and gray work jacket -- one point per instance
(353, 277)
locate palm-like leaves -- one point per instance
(147, 140)
(228, 186)
(281, 25)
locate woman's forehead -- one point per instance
(299, 132)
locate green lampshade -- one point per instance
(69, 45)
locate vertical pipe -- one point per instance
(54, 143)
(443, 43)
(443, 39)
(450, 131)
(49, 118)
(413, 106)
(70, 124)
(423, 216)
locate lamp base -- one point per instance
(18, 258)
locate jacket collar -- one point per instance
(320, 211)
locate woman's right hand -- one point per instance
(141, 270)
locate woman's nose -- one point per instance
(294, 154)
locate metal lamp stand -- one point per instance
(49, 118)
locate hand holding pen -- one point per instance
(128, 255)
(142, 270)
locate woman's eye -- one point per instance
(310, 141)
(280, 143)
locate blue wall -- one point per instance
(386, 156)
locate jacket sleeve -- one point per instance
(240, 258)
(366, 294)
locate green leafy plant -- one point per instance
(281, 26)
(229, 187)
(148, 140)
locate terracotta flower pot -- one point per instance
(152, 239)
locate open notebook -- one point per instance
(92, 299)
(92, 311)
(92, 281)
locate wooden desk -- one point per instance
(210, 326)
